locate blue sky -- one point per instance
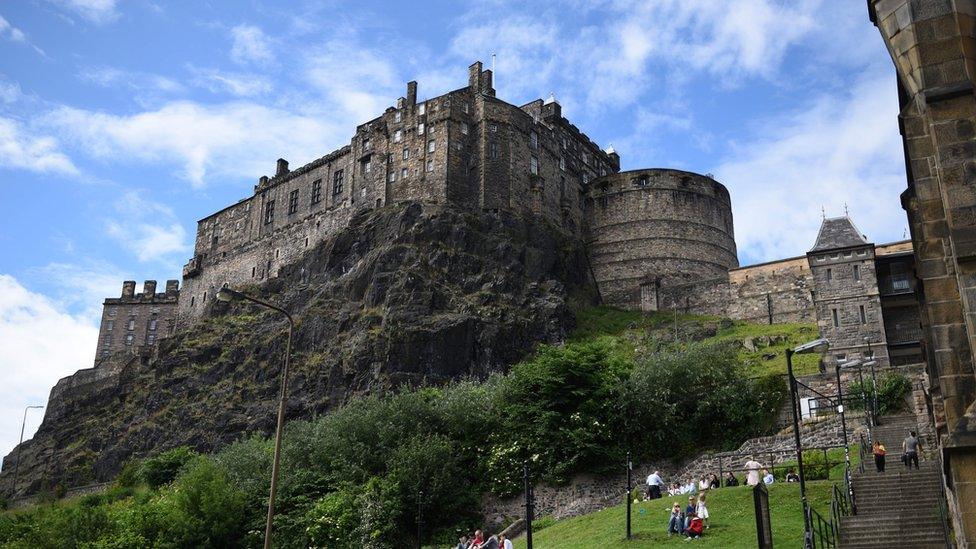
(122, 123)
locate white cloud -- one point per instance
(237, 139)
(12, 33)
(148, 230)
(250, 45)
(359, 81)
(113, 77)
(80, 288)
(10, 92)
(41, 344)
(95, 11)
(839, 149)
(235, 83)
(20, 149)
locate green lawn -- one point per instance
(732, 521)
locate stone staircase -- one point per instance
(897, 508)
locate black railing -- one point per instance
(862, 453)
(824, 533)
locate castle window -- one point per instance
(398, 116)
(403, 173)
(109, 324)
(316, 191)
(337, 183)
(564, 143)
(864, 318)
(193, 300)
(132, 324)
(857, 272)
(464, 128)
(367, 166)
(586, 159)
(150, 339)
(422, 108)
(534, 140)
(493, 127)
(129, 339)
(642, 181)
(420, 128)
(391, 177)
(366, 144)
(267, 271)
(836, 317)
(430, 165)
(464, 107)
(205, 298)
(269, 212)
(215, 239)
(293, 202)
(586, 178)
(406, 153)
(397, 135)
(389, 158)
(431, 146)
(603, 170)
(111, 311)
(152, 324)
(534, 166)
(254, 271)
(108, 339)
(493, 150)
(562, 163)
(830, 275)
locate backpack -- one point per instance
(695, 527)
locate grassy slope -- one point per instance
(732, 521)
(633, 330)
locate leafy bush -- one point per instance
(163, 468)
(893, 388)
(204, 509)
(334, 521)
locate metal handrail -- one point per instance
(862, 454)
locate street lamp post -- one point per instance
(226, 294)
(874, 382)
(630, 480)
(813, 346)
(843, 427)
(529, 505)
(23, 425)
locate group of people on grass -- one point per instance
(692, 521)
(479, 540)
(910, 448)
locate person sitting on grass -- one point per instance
(767, 477)
(690, 511)
(791, 476)
(675, 523)
(703, 483)
(713, 482)
(730, 480)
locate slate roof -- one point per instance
(838, 232)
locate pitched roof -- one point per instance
(838, 232)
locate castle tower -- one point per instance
(135, 321)
(846, 296)
(933, 46)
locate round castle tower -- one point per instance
(657, 227)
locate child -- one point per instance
(702, 510)
(675, 523)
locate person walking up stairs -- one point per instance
(898, 507)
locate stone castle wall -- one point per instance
(660, 227)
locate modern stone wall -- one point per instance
(658, 226)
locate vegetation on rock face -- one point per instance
(893, 388)
(356, 476)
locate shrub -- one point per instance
(893, 388)
(204, 508)
(334, 521)
(163, 468)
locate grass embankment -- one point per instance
(732, 521)
(761, 347)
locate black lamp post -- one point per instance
(630, 483)
(19, 449)
(226, 294)
(843, 427)
(818, 345)
(529, 505)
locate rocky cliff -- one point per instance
(413, 294)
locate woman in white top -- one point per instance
(702, 510)
(753, 467)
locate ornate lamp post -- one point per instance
(816, 346)
(226, 294)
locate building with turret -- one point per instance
(134, 321)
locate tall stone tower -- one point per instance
(846, 292)
(933, 46)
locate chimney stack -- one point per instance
(411, 93)
(149, 288)
(129, 288)
(282, 167)
(474, 76)
(172, 287)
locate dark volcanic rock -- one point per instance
(409, 295)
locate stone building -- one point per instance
(134, 321)
(933, 46)
(654, 227)
(465, 147)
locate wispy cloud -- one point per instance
(250, 45)
(836, 150)
(147, 229)
(93, 11)
(133, 80)
(235, 139)
(238, 84)
(14, 34)
(21, 148)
